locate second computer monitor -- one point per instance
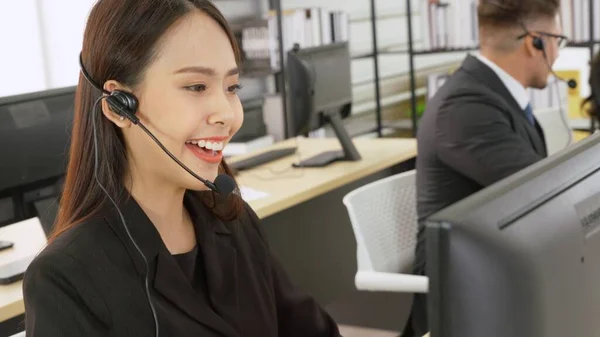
(320, 94)
(521, 257)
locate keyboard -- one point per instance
(262, 158)
(14, 271)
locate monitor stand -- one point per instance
(348, 153)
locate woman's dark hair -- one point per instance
(119, 44)
(594, 98)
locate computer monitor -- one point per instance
(320, 91)
(521, 257)
(35, 129)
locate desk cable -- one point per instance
(298, 172)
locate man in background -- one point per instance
(479, 127)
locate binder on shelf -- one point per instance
(312, 27)
(257, 39)
(575, 20)
(449, 24)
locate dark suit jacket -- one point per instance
(89, 282)
(473, 133)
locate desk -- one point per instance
(304, 218)
(289, 193)
(288, 186)
(29, 238)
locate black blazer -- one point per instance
(89, 282)
(473, 133)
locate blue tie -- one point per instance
(529, 114)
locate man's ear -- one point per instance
(120, 121)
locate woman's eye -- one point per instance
(196, 87)
(235, 88)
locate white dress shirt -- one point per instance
(515, 88)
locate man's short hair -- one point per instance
(511, 13)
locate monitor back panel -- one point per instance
(522, 258)
(34, 138)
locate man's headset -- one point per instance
(125, 104)
(538, 43)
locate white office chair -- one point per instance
(20, 334)
(558, 135)
(384, 220)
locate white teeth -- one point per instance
(215, 146)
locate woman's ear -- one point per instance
(118, 120)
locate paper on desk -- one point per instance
(250, 194)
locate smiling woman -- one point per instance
(141, 247)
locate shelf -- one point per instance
(258, 73)
(444, 50)
(400, 124)
(582, 44)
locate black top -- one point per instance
(473, 133)
(90, 282)
(192, 266)
(188, 262)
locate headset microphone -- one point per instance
(571, 83)
(125, 104)
(538, 44)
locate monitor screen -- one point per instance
(34, 136)
(521, 257)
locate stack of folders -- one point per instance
(449, 24)
(307, 27)
(575, 19)
(549, 97)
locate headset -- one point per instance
(125, 105)
(538, 43)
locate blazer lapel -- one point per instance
(170, 282)
(220, 262)
(484, 74)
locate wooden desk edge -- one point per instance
(290, 201)
(13, 309)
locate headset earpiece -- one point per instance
(538, 43)
(124, 104)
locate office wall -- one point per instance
(41, 41)
(44, 38)
(21, 61)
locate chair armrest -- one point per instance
(376, 281)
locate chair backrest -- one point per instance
(384, 219)
(557, 134)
